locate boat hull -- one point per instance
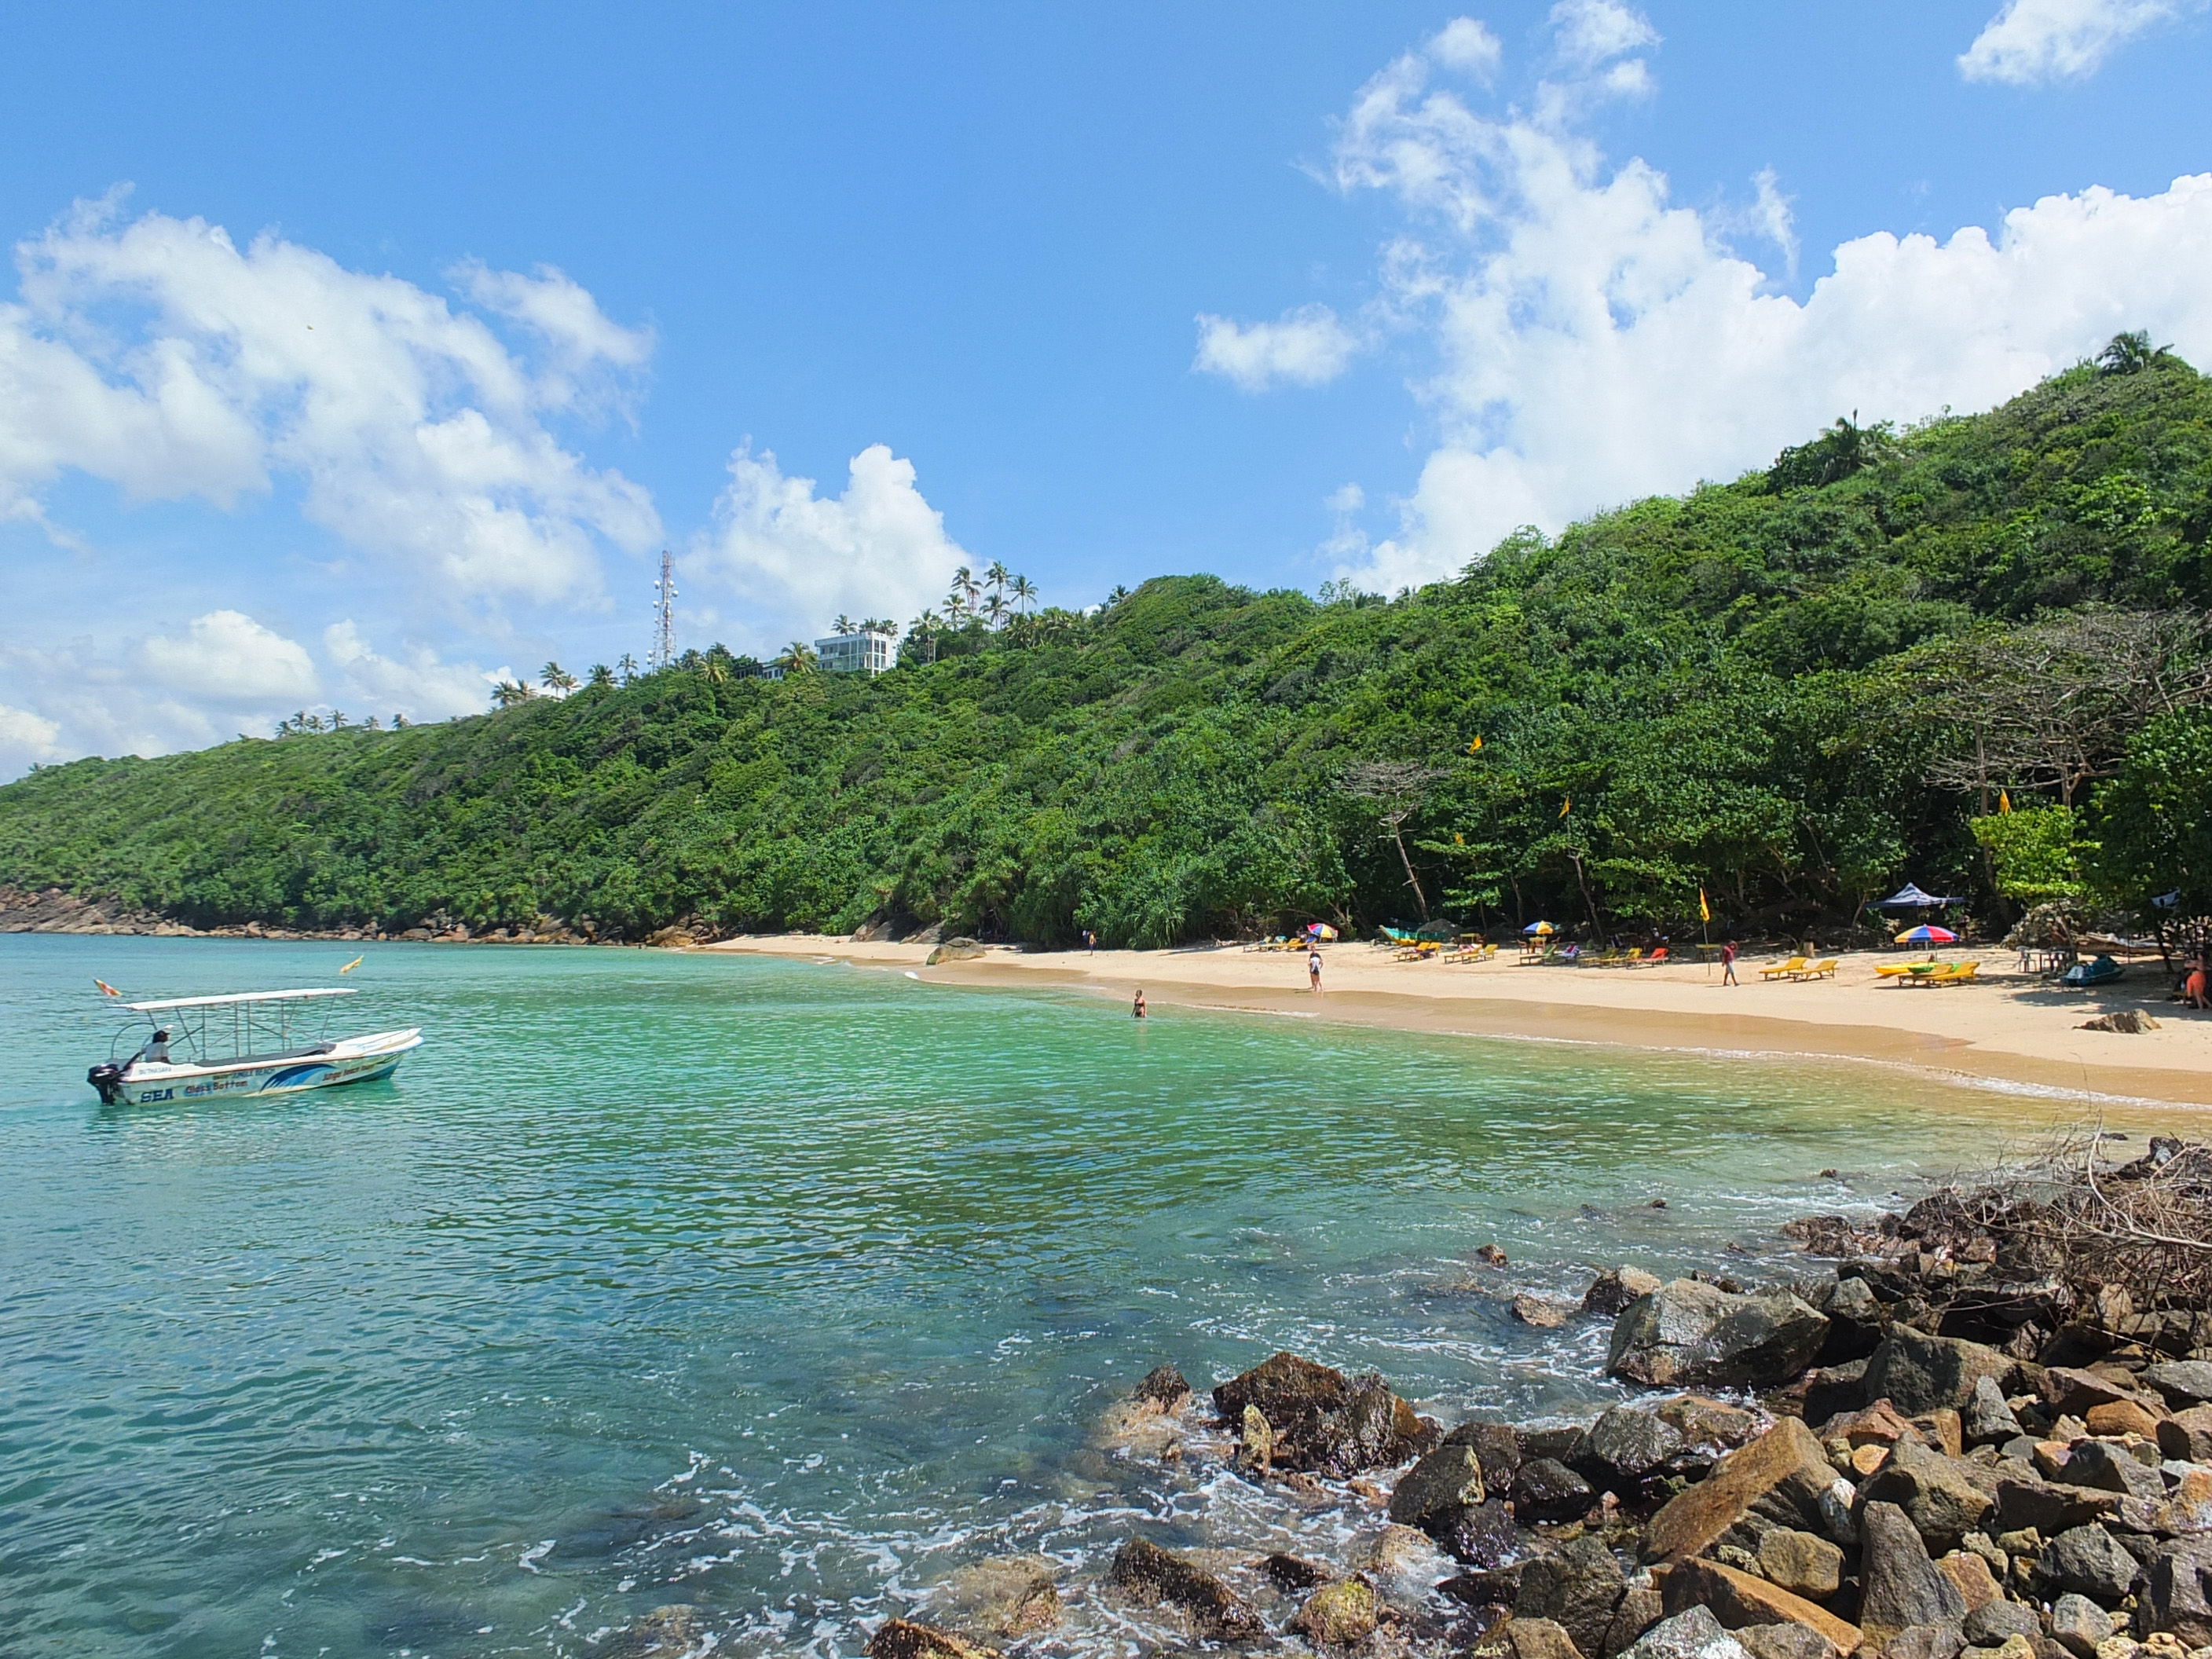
(356, 1060)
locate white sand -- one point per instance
(2008, 1026)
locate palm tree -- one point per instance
(714, 667)
(626, 667)
(2129, 353)
(1024, 591)
(965, 592)
(881, 625)
(508, 694)
(1119, 594)
(994, 609)
(797, 658)
(844, 624)
(923, 632)
(998, 575)
(601, 676)
(556, 679)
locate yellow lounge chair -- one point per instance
(1824, 968)
(1794, 965)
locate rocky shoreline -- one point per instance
(1954, 1442)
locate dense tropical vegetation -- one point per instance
(1971, 653)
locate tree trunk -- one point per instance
(1412, 880)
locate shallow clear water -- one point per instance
(777, 1289)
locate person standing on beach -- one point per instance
(1728, 964)
(2193, 989)
(1091, 941)
(1313, 968)
(1137, 1008)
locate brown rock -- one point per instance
(1338, 1614)
(1970, 1573)
(1946, 1498)
(1542, 1312)
(902, 1638)
(1783, 1474)
(1000, 1600)
(2187, 1434)
(1612, 1291)
(1323, 1422)
(1800, 1563)
(1877, 1424)
(1866, 1459)
(2122, 1417)
(1529, 1638)
(1145, 1572)
(1737, 1599)
(1164, 1390)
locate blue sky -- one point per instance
(350, 357)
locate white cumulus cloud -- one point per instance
(415, 682)
(158, 354)
(226, 657)
(794, 558)
(2031, 42)
(1593, 31)
(26, 740)
(1307, 347)
(1595, 341)
(1466, 45)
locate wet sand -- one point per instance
(2008, 1027)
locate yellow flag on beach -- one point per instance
(1566, 806)
(1704, 910)
(350, 966)
(2004, 801)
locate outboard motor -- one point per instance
(107, 1079)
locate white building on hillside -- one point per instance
(867, 652)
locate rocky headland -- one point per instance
(1984, 1430)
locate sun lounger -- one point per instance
(1824, 968)
(1795, 965)
(1951, 973)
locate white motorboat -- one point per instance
(255, 1043)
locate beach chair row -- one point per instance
(1801, 968)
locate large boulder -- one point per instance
(2089, 1561)
(1614, 1289)
(1321, 1421)
(1481, 1535)
(1002, 1599)
(1695, 1634)
(1545, 1489)
(902, 1638)
(1740, 1599)
(1337, 1615)
(1691, 1335)
(1627, 1446)
(1899, 1586)
(1780, 1479)
(2177, 1592)
(1145, 1572)
(2112, 1467)
(1918, 1373)
(2049, 1507)
(1946, 1498)
(1578, 1587)
(2182, 1382)
(1447, 1480)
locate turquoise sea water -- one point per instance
(777, 1289)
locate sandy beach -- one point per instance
(2008, 1026)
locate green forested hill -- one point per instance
(1749, 688)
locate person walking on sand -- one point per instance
(1728, 964)
(1313, 968)
(1137, 1008)
(2192, 988)
(1091, 941)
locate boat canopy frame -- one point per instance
(262, 1025)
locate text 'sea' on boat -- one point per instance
(253, 1042)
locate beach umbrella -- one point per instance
(1928, 936)
(1539, 929)
(1319, 930)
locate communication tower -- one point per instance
(663, 654)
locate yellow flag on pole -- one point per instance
(1473, 746)
(1566, 806)
(350, 966)
(2004, 801)
(1704, 910)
